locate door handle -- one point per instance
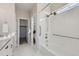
(46, 36)
(6, 47)
(39, 30)
(11, 45)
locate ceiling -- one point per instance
(25, 6)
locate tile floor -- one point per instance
(26, 50)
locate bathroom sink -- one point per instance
(3, 37)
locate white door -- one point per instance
(42, 31)
(43, 26)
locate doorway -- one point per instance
(23, 31)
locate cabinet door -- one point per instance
(7, 50)
(10, 44)
(4, 51)
(42, 28)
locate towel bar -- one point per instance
(65, 36)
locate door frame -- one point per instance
(32, 29)
(18, 30)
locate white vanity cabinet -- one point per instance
(7, 49)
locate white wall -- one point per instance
(66, 24)
(21, 14)
(7, 13)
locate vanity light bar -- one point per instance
(67, 7)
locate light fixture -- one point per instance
(67, 7)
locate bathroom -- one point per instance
(46, 29)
